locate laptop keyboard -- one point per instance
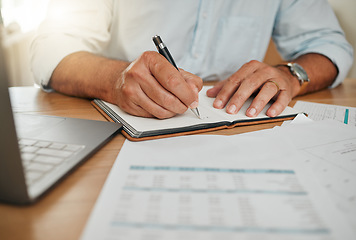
(40, 158)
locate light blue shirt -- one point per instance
(211, 39)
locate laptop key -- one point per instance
(26, 156)
(29, 142)
(42, 144)
(39, 167)
(29, 149)
(48, 159)
(57, 145)
(73, 148)
(54, 152)
(31, 176)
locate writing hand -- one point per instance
(152, 87)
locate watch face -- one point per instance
(300, 71)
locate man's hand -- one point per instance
(151, 87)
(256, 77)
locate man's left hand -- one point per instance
(256, 77)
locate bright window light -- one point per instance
(26, 13)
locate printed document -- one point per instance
(319, 111)
(214, 187)
(329, 148)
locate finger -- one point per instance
(139, 78)
(213, 92)
(232, 84)
(226, 92)
(195, 82)
(267, 92)
(161, 96)
(151, 107)
(280, 104)
(127, 105)
(172, 80)
(244, 92)
(138, 111)
(132, 96)
(249, 86)
(240, 96)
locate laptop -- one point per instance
(37, 151)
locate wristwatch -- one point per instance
(300, 73)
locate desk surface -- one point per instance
(63, 212)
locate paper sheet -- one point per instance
(213, 187)
(330, 152)
(299, 119)
(319, 111)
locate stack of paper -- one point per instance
(285, 183)
(329, 150)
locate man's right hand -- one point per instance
(148, 87)
(151, 87)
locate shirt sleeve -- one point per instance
(70, 26)
(310, 26)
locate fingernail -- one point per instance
(196, 90)
(272, 113)
(231, 109)
(194, 104)
(252, 112)
(218, 104)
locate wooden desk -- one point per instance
(63, 212)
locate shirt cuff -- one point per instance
(47, 54)
(340, 58)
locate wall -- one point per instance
(17, 45)
(20, 18)
(345, 11)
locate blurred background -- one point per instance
(20, 21)
(22, 17)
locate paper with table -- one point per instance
(252, 186)
(319, 111)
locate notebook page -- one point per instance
(208, 115)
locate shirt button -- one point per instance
(205, 15)
(196, 55)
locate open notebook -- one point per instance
(139, 128)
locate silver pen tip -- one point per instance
(196, 112)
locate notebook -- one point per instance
(37, 151)
(139, 128)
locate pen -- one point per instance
(163, 50)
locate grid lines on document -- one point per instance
(160, 202)
(319, 111)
